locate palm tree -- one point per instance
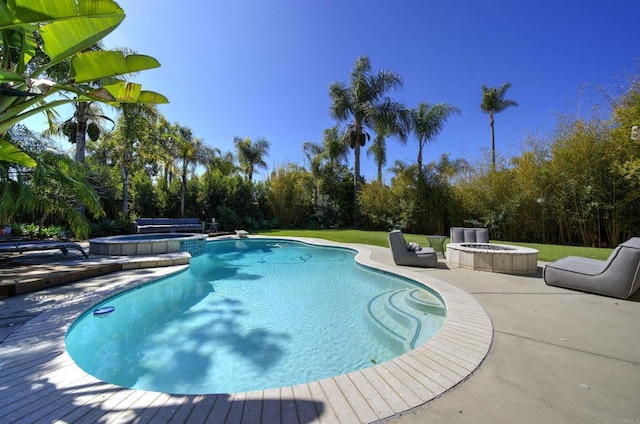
(131, 131)
(314, 153)
(493, 102)
(223, 162)
(251, 154)
(335, 149)
(427, 122)
(189, 151)
(379, 151)
(163, 156)
(364, 104)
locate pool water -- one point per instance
(254, 314)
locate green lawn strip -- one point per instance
(553, 252)
(546, 252)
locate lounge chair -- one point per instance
(402, 255)
(469, 235)
(21, 246)
(618, 276)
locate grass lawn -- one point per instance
(547, 252)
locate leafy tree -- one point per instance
(53, 189)
(67, 28)
(127, 141)
(427, 121)
(251, 154)
(493, 101)
(291, 202)
(364, 103)
(335, 150)
(379, 206)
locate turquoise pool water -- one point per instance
(254, 314)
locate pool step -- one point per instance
(425, 301)
(397, 316)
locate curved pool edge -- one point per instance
(367, 395)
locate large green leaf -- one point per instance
(122, 91)
(129, 92)
(66, 38)
(70, 26)
(17, 13)
(152, 97)
(94, 65)
(10, 153)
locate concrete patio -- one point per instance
(556, 356)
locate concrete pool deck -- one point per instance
(556, 356)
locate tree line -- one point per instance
(577, 186)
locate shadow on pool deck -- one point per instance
(558, 356)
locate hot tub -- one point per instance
(493, 257)
(148, 244)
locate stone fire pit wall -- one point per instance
(493, 258)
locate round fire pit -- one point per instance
(493, 258)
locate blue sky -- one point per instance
(263, 67)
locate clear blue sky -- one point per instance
(263, 67)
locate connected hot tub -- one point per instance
(148, 244)
(492, 257)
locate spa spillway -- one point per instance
(148, 244)
(493, 258)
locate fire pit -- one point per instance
(493, 258)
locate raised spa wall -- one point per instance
(517, 261)
(141, 245)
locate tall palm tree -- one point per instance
(189, 151)
(427, 121)
(132, 130)
(165, 153)
(364, 103)
(88, 119)
(493, 102)
(251, 154)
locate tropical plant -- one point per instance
(54, 189)
(189, 151)
(334, 148)
(314, 154)
(493, 101)
(364, 103)
(290, 200)
(251, 154)
(127, 141)
(379, 151)
(87, 120)
(67, 29)
(427, 121)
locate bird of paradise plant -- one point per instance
(63, 31)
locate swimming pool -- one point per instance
(225, 317)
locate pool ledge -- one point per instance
(34, 363)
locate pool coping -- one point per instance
(378, 392)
